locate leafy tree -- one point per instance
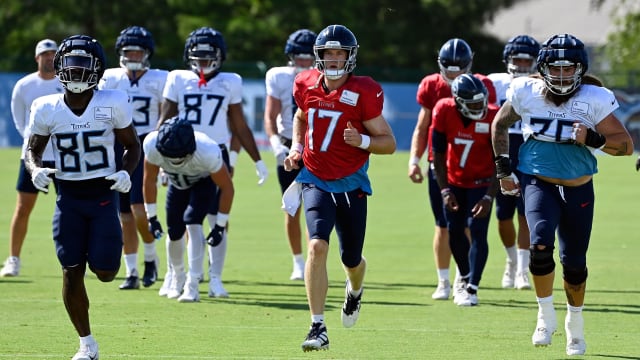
(623, 47)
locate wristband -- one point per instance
(445, 191)
(366, 141)
(503, 166)
(151, 210)
(297, 147)
(222, 219)
(233, 158)
(488, 197)
(595, 139)
(415, 160)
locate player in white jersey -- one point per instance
(83, 125)
(278, 124)
(196, 171)
(135, 47)
(27, 89)
(566, 116)
(519, 56)
(212, 101)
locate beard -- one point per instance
(558, 99)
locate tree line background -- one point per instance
(399, 40)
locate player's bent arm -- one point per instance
(381, 136)
(240, 129)
(440, 169)
(35, 148)
(150, 182)
(223, 180)
(272, 108)
(618, 141)
(505, 117)
(168, 109)
(420, 133)
(128, 137)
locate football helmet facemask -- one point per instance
(176, 141)
(135, 38)
(300, 46)
(79, 63)
(561, 52)
(205, 50)
(454, 58)
(335, 37)
(471, 96)
(521, 47)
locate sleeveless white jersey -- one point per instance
(206, 159)
(206, 106)
(501, 82)
(145, 97)
(279, 84)
(25, 91)
(82, 145)
(546, 122)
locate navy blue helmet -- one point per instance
(79, 63)
(562, 51)
(471, 96)
(176, 139)
(135, 38)
(300, 45)
(205, 44)
(521, 47)
(336, 37)
(455, 56)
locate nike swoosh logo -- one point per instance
(584, 204)
(378, 94)
(104, 203)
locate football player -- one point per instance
(464, 169)
(83, 125)
(196, 171)
(212, 101)
(564, 121)
(454, 58)
(337, 126)
(519, 56)
(135, 47)
(278, 123)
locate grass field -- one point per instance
(267, 317)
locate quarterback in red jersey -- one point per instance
(464, 169)
(337, 125)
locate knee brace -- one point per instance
(541, 261)
(574, 275)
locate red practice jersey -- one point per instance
(469, 151)
(433, 88)
(326, 155)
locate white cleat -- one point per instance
(87, 353)
(216, 289)
(574, 329)
(190, 292)
(166, 283)
(576, 347)
(522, 281)
(443, 290)
(177, 285)
(350, 308)
(545, 327)
(11, 267)
(466, 298)
(508, 278)
(297, 274)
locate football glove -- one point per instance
(215, 236)
(261, 171)
(122, 181)
(155, 228)
(41, 179)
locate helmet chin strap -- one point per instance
(77, 87)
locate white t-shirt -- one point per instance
(279, 84)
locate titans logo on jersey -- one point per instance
(205, 160)
(205, 106)
(358, 100)
(145, 94)
(82, 145)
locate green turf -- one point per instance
(267, 317)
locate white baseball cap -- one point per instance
(46, 45)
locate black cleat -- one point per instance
(130, 283)
(317, 339)
(150, 275)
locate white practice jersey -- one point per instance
(547, 122)
(25, 91)
(206, 106)
(206, 159)
(82, 145)
(145, 95)
(279, 83)
(501, 82)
